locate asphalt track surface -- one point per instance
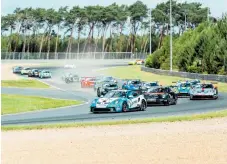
(81, 113)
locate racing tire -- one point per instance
(67, 81)
(98, 92)
(175, 102)
(167, 103)
(191, 97)
(124, 107)
(143, 106)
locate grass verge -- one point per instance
(131, 72)
(18, 103)
(222, 113)
(24, 83)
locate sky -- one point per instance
(217, 7)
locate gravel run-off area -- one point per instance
(197, 142)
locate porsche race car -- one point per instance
(105, 88)
(204, 91)
(161, 95)
(34, 73)
(25, 71)
(70, 78)
(69, 66)
(183, 88)
(133, 85)
(150, 85)
(87, 82)
(102, 80)
(119, 101)
(17, 69)
(44, 74)
(136, 62)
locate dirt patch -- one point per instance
(7, 73)
(172, 143)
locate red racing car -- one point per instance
(87, 82)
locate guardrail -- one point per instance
(211, 77)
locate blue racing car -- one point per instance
(183, 88)
(133, 85)
(119, 101)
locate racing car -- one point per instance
(17, 69)
(133, 85)
(119, 101)
(25, 71)
(87, 82)
(34, 73)
(150, 85)
(69, 66)
(161, 95)
(136, 62)
(70, 77)
(44, 74)
(204, 91)
(100, 80)
(183, 88)
(105, 88)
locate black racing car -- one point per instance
(33, 73)
(105, 88)
(161, 96)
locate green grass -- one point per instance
(24, 83)
(130, 72)
(209, 115)
(19, 103)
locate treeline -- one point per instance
(203, 50)
(113, 28)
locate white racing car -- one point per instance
(69, 66)
(204, 91)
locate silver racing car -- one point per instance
(204, 91)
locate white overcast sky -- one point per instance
(217, 7)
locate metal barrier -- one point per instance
(63, 55)
(211, 77)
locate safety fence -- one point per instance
(211, 77)
(63, 55)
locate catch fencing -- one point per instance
(211, 77)
(63, 55)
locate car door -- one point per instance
(133, 99)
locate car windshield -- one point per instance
(115, 94)
(135, 82)
(158, 90)
(185, 85)
(204, 86)
(46, 72)
(152, 84)
(107, 78)
(110, 85)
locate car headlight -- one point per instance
(163, 96)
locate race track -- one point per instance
(81, 113)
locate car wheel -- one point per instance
(191, 97)
(175, 102)
(124, 107)
(166, 103)
(98, 92)
(143, 106)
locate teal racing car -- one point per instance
(119, 101)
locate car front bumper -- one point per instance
(156, 101)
